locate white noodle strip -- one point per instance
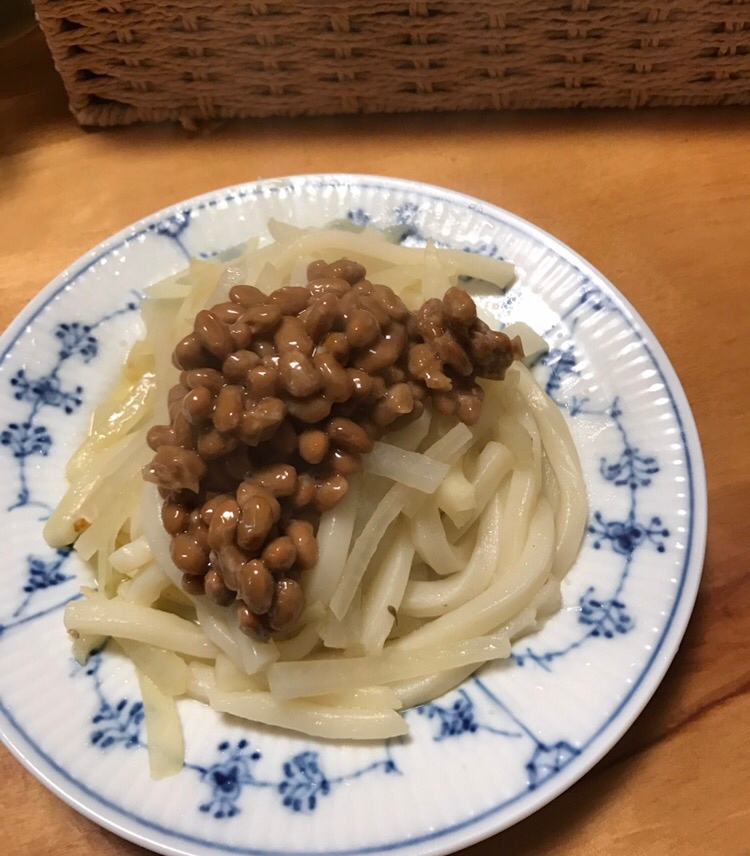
(114, 505)
(331, 244)
(365, 546)
(446, 449)
(201, 681)
(317, 677)
(284, 232)
(231, 679)
(506, 595)
(166, 747)
(522, 497)
(432, 545)
(423, 689)
(344, 633)
(558, 443)
(131, 557)
(84, 644)
(299, 646)
(334, 538)
(437, 597)
(146, 587)
(409, 468)
(310, 718)
(366, 698)
(130, 621)
(383, 597)
(410, 436)
(456, 495)
(80, 500)
(494, 463)
(112, 420)
(165, 669)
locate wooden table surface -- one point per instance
(659, 201)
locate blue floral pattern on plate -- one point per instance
(257, 772)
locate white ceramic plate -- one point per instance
(479, 759)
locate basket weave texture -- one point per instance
(188, 60)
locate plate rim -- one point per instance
(470, 830)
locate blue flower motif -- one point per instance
(43, 574)
(625, 536)
(606, 617)
(561, 363)
(173, 226)
(485, 249)
(120, 724)
(227, 776)
(406, 214)
(303, 782)
(457, 719)
(76, 338)
(25, 439)
(358, 216)
(46, 390)
(547, 761)
(631, 468)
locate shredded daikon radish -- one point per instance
(450, 544)
(407, 468)
(166, 748)
(131, 556)
(122, 620)
(167, 671)
(354, 723)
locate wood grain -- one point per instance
(659, 201)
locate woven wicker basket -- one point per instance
(196, 59)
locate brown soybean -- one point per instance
(210, 378)
(261, 319)
(246, 295)
(362, 328)
(194, 584)
(213, 444)
(263, 381)
(212, 334)
(222, 528)
(309, 410)
(288, 603)
(229, 408)
(330, 491)
(255, 523)
(198, 405)
(188, 354)
(227, 312)
(160, 435)
(298, 373)
(345, 463)
(280, 554)
(277, 479)
(348, 435)
(250, 624)
(256, 586)
(188, 555)
(216, 589)
(303, 537)
(346, 269)
(175, 468)
(337, 384)
(173, 517)
(249, 490)
(291, 300)
(313, 446)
